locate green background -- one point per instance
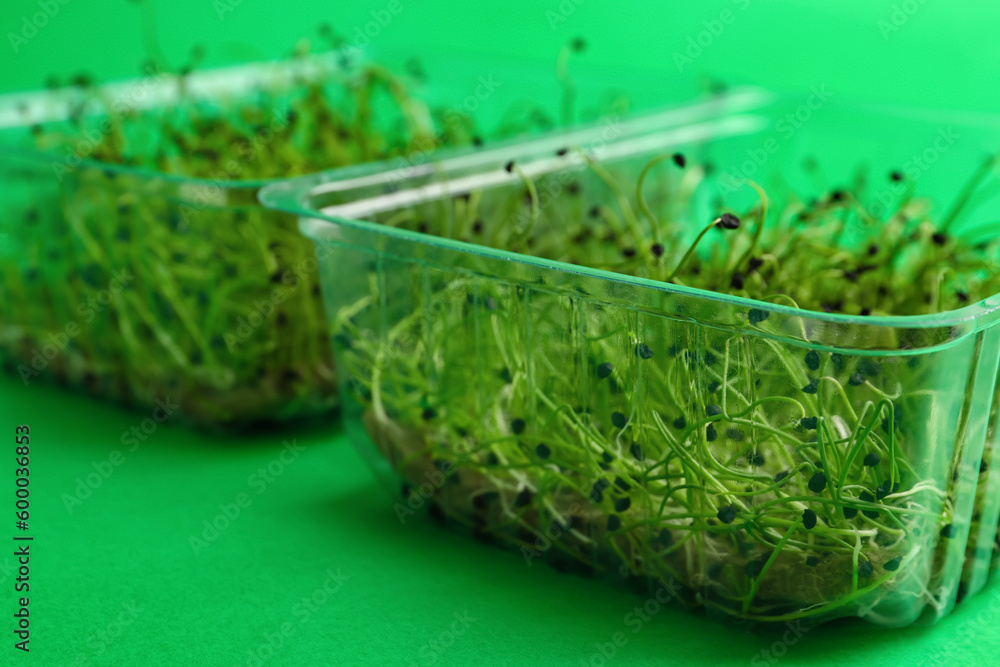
(942, 55)
(127, 546)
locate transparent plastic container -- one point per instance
(142, 286)
(656, 433)
(148, 287)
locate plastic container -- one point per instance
(140, 286)
(661, 434)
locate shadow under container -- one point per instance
(650, 432)
(142, 286)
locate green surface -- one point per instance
(129, 544)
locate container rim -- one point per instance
(294, 196)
